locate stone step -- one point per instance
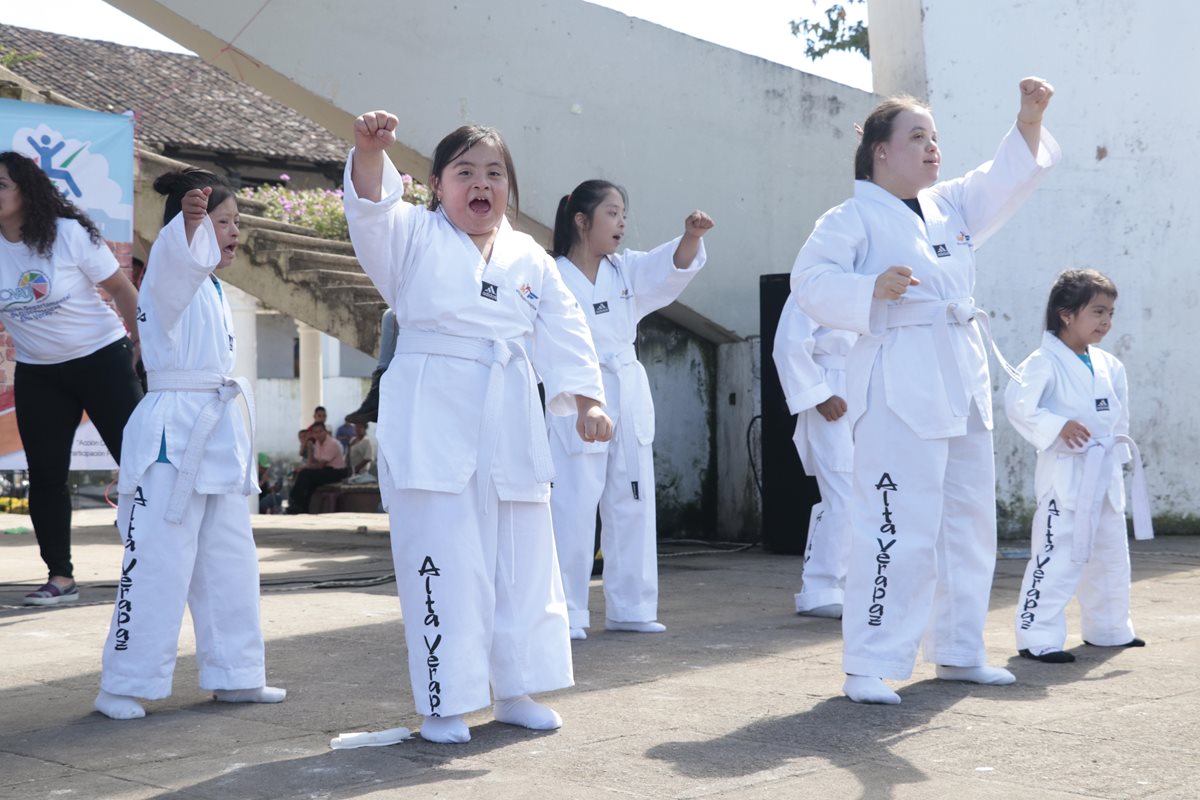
(271, 237)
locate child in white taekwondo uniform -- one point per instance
(616, 291)
(186, 469)
(896, 264)
(811, 360)
(464, 462)
(1072, 404)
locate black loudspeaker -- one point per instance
(788, 494)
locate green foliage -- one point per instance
(833, 33)
(10, 57)
(319, 209)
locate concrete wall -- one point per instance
(1120, 202)
(579, 91)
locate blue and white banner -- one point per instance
(88, 155)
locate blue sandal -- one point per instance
(52, 594)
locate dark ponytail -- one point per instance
(174, 185)
(586, 197)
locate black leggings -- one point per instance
(50, 400)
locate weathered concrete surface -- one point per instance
(739, 699)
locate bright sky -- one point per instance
(758, 27)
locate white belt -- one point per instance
(941, 314)
(1093, 486)
(226, 390)
(623, 365)
(830, 361)
(496, 355)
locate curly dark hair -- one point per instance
(42, 205)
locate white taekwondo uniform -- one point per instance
(811, 360)
(924, 523)
(464, 462)
(186, 523)
(617, 476)
(1073, 551)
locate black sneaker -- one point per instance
(1052, 657)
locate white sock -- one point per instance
(867, 689)
(635, 627)
(118, 706)
(445, 730)
(525, 712)
(578, 634)
(831, 611)
(263, 694)
(992, 676)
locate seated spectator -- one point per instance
(270, 501)
(361, 452)
(324, 464)
(344, 435)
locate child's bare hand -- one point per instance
(375, 131)
(697, 224)
(195, 205)
(893, 282)
(1075, 434)
(832, 409)
(591, 423)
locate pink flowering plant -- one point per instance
(319, 209)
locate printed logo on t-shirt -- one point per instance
(601, 307)
(490, 292)
(32, 287)
(1102, 404)
(941, 250)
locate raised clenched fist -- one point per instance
(375, 131)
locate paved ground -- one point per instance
(739, 699)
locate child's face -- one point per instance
(226, 221)
(473, 189)
(1090, 324)
(11, 207)
(607, 227)
(913, 158)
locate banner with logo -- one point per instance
(89, 156)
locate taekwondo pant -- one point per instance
(1102, 584)
(923, 544)
(481, 598)
(824, 575)
(208, 563)
(628, 530)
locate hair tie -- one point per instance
(859, 130)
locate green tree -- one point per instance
(823, 36)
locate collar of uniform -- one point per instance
(1068, 356)
(866, 190)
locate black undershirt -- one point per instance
(915, 206)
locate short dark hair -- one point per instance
(319, 408)
(877, 129)
(459, 141)
(584, 199)
(174, 185)
(1072, 291)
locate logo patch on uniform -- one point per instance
(491, 292)
(526, 292)
(626, 294)
(601, 307)
(941, 250)
(963, 238)
(1102, 404)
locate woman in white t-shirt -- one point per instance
(73, 354)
